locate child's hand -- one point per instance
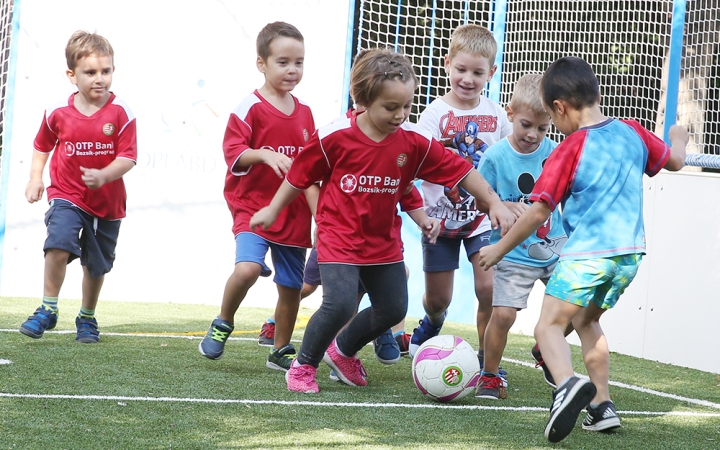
(93, 178)
(488, 256)
(679, 135)
(431, 229)
(516, 208)
(501, 217)
(34, 190)
(265, 217)
(277, 161)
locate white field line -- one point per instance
(122, 399)
(514, 361)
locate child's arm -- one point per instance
(277, 161)
(35, 187)
(266, 216)
(96, 178)
(311, 195)
(487, 200)
(679, 138)
(526, 225)
(429, 226)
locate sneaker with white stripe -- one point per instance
(568, 401)
(602, 418)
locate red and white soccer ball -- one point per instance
(446, 368)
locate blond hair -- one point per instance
(83, 44)
(527, 94)
(372, 67)
(475, 40)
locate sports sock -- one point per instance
(86, 313)
(594, 405)
(398, 333)
(51, 304)
(271, 321)
(562, 383)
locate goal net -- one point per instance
(626, 43)
(6, 8)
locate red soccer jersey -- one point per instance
(256, 124)
(362, 182)
(92, 142)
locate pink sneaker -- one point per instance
(301, 378)
(348, 369)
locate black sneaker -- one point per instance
(539, 362)
(602, 418)
(568, 401)
(281, 358)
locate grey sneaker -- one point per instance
(602, 418)
(281, 358)
(213, 344)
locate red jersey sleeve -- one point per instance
(236, 141)
(309, 166)
(658, 151)
(46, 139)
(411, 200)
(441, 166)
(127, 141)
(559, 172)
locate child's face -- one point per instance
(93, 78)
(389, 110)
(468, 75)
(283, 69)
(529, 128)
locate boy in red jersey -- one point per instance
(264, 133)
(365, 164)
(93, 133)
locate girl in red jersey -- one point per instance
(365, 164)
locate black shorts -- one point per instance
(93, 240)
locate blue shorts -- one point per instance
(84, 236)
(444, 255)
(312, 272)
(289, 262)
(600, 281)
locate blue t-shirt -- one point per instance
(513, 175)
(597, 176)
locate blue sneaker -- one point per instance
(213, 344)
(422, 333)
(87, 330)
(35, 325)
(386, 348)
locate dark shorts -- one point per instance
(93, 240)
(444, 255)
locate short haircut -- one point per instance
(527, 94)
(475, 40)
(372, 67)
(83, 44)
(273, 31)
(572, 80)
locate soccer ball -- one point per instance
(446, 368)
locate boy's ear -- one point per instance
(509, 111)
(71, 76)
(447, 63)
(492, 72)
(560, 107)
(260, 63)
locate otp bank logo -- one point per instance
(348, 183)
(69, 149)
